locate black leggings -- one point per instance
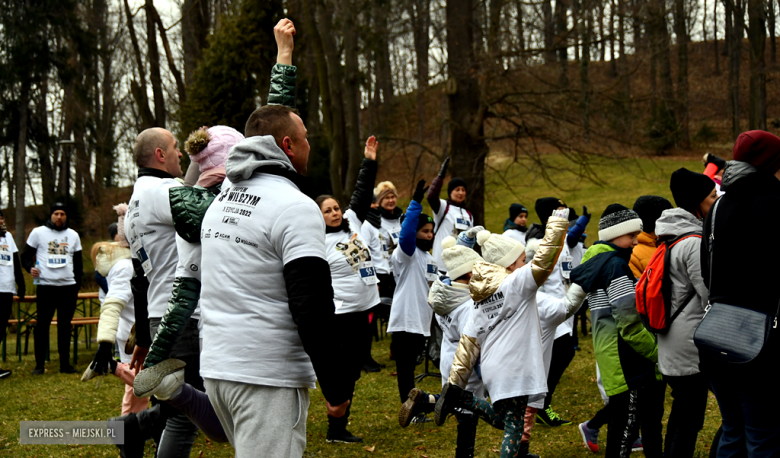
(406, 348)
(630, 411)
(351, 330)
(61, 299)
(562, 354)
(6, 306)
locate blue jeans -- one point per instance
(180, 433)
(750, 409)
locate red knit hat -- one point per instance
(758, 148)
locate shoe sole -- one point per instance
(88, 374)
(585, 439)
(337, 441)
(405, 414)
(440, 416)
(4, 375)
(149, 379)
(637, 449)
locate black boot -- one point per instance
(452, 397)
(467, 435)
(524, 451)
(337, 431)
(138, 429)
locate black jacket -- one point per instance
(745, 252)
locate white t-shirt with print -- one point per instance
(378, 247)
(149, 230)
(54, 254)
(248, 331)
(452, 326)
(510, 337)
(391, 233)
(552, 312)
(352, 271)
(448, 222)
(410, 311)
(7, 250)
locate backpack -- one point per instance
(654, 289)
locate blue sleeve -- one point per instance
(573, 237)
(408, 236)
(101, 281)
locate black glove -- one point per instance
(444, 167)
(104, 359)
(585, 212)
(419, 193)
(713, 159)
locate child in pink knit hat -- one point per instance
(209, 148)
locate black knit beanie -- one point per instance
(113, 229)
(689, 189)
(649, 208)
(454, 183)
(618, 220)
(422, 221)
(516, 209)
(57, 206)
(545, 206)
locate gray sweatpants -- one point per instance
(257, 417)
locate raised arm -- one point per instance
(284, 75)
(550, 247)
(407, 239)
(435, 189)
(364, 187)
(573, 237)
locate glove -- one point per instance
(469, 238)
(419, 192)
(561, 213)
(104, 359)
(713, 159)
(444, 167)
(585, 212)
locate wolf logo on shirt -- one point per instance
(355, 252)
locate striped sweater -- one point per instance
(625, 351)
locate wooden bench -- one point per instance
(76, 323)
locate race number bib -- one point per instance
(368, 274)
(566, 266)
(6, 258)
(396, 235)
(462, 224)
(57, 261)
(431, 272)
(140, 252)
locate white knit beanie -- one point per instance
(618, 220)
(497, 249)
(458, 259)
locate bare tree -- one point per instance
(757, 38)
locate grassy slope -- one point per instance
(63, 397)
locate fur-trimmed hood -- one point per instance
(108, 255)
(446, 298)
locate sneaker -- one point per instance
(451, 398)
(637, 445)
(420, 419)
(161, 380)
(590, 437)
(38, 371)
(524, 451)
(408, 409)
(4, 373)
(549, 418)
(344, 437)
(68, 370)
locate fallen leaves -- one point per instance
(370, 449)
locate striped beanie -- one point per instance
(618, 220)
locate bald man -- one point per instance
(152, 237)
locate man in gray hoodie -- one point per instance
(678, 357)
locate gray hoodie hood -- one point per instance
(253, 153)
(445, 298)
(676, 222)
(735, 170)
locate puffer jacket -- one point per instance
(642, 253)
(677, 354)
(625, 351)
(114, 307)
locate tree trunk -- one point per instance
(636, 17)
(549, 32)
(612, 56)
(771, 23)
(561, 48)
(420, 12)
(138, 89)
(47, 173)
(682, 71)
(623, 62)
(384, 70)
(757, 38)
(520, 27)
(153, 55)
(195, 23)
(468, 149)
(20, 162)
(351, 97)
(495, 38)
(585, 25)
(180, 87)
(602, 43)
(734, 14)
(715, 36)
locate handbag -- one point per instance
(731, 333)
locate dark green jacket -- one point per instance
(283, 81)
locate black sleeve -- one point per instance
(140, 285)
(704, 252)
(78, 268)
(21, 288)
(364, 189)
(310, 296)
(28, 257)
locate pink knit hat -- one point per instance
(121, 210)
(210, 147)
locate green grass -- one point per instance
(55, 396)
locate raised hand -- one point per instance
(371, 146)
(419, 192)
(444, 167)
(585, 212)
(284, 31)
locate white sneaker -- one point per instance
(161, 380)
